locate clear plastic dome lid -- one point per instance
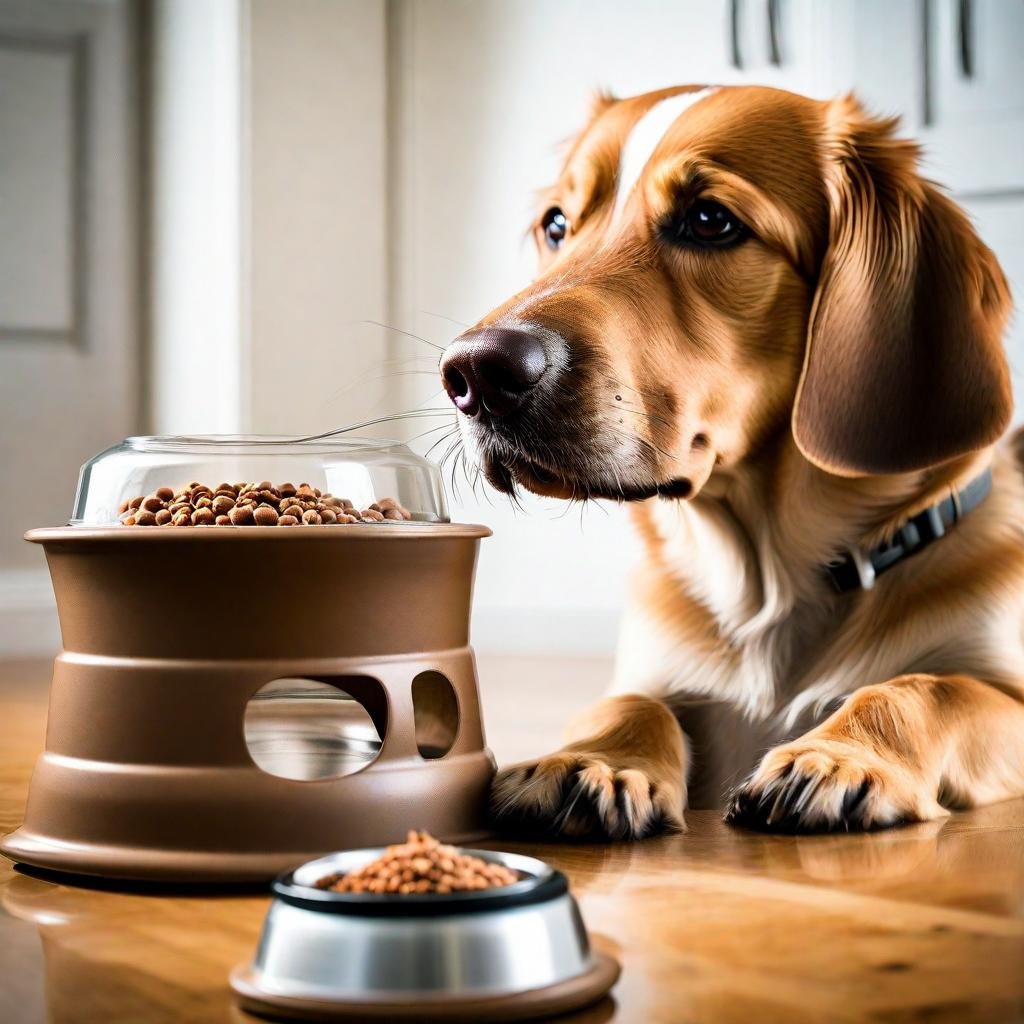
(252, 480)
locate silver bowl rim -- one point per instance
(540, 884)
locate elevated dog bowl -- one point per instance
(511, 953)
(160, 765)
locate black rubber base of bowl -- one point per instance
(549, 1001)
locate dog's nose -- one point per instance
(493, 369)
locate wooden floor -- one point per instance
(921, 924)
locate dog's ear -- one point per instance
(600, 101)
(904, 366)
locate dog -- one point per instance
(756, 322)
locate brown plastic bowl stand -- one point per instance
(167, 634)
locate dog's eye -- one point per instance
(555, 227)
(706, 223)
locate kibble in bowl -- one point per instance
(252, 504)
(420, 865)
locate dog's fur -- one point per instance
(812, 388)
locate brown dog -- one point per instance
(756, 320)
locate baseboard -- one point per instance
(545, 631)
(28, 614)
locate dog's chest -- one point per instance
(712, 619)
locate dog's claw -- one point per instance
(854, 799)
(812, 786)
(580, 797)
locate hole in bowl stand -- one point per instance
(436, 712)
(309, 729)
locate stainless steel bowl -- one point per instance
(465, 955)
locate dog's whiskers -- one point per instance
(398, 330)
(450, 319)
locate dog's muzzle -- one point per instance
(493, 371)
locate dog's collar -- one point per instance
(858, 569)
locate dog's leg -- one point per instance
(621, 776)
(906, 750)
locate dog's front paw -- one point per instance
(581, 796)
(827, 785)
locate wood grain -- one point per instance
(922, 923)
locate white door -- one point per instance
(69, 279)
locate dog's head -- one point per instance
(721, 267)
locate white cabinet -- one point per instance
(1000, 221)
(787, 44)
(973, 93)
(954, 69)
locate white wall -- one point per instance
(269, 205)
(317, 208)
(195, 132)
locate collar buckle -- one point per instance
(864, 566)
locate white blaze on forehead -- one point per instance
(643, 139)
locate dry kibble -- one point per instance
(241, 515)
(265, 515)
(421, 865)
(247, 504)
(222, 505)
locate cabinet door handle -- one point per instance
(735, 57)
(774, 51)
(965, 35)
